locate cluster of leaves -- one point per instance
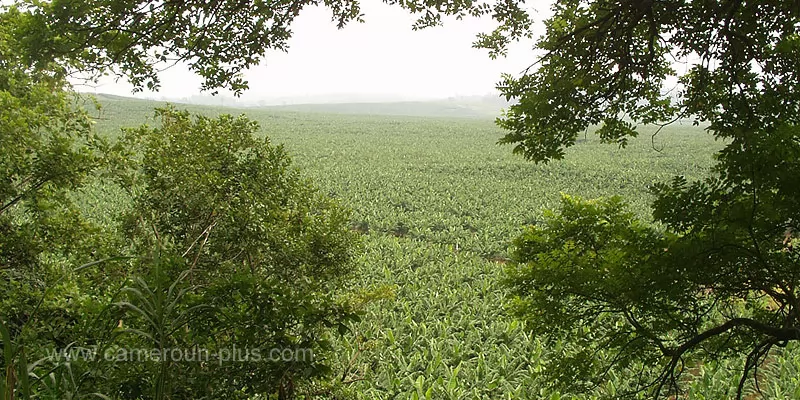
(48, 149)
(265, 253)
(228, 248)
(720, 277)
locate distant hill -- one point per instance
(483, 107)
(418, 109)
(105, 97)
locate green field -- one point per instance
(438, 202)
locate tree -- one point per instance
(47, 150)
(257, 257)
(718, 276)
(224, 246)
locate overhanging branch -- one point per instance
(775, 335)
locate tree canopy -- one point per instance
(717, 275)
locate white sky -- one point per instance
(379, 59)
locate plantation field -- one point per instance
(438, 202)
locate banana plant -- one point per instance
(159, 307)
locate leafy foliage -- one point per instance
(264, 252)
(727, 279)
(48, 150)
(247, 255)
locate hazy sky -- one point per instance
(380, 58)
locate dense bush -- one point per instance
(258, 253)
(224, 245)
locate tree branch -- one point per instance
(776, 335)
